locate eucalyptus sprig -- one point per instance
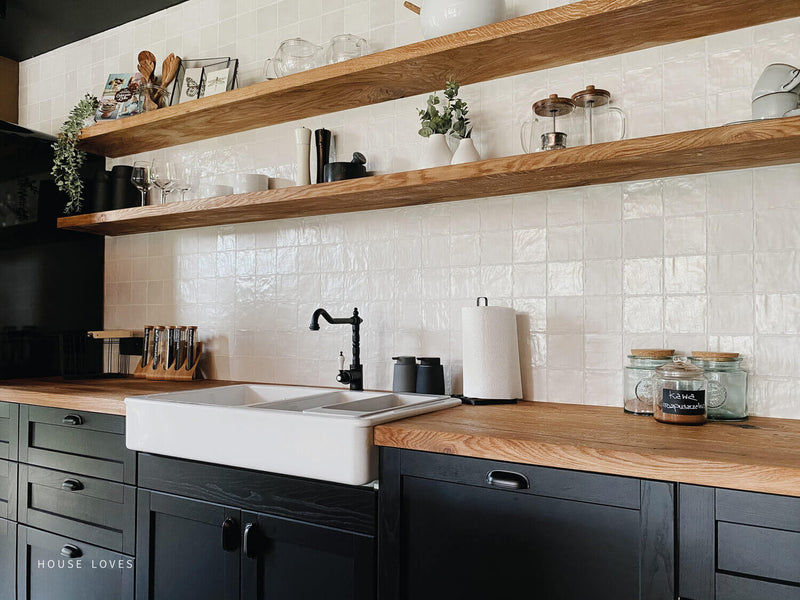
(451, 119)
(67, 159)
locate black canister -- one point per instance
(430, 376)
(339, 171)
(98, 201)
(405, 374)
(323, 140)
(123, 194)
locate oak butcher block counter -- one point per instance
(94, 395)
(760, 454)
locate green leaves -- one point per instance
(67, 159)
(451, 119)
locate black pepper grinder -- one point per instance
(323, 141)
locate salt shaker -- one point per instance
(302, 137)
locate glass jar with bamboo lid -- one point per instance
(642, 364)
(727, 384)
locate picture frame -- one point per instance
(198, 70)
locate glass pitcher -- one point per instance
(294, 56)
(601, 121)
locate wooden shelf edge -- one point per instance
(529, 43)
(745, 145)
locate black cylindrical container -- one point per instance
(430, 376)
(98, 199)
(323, 140)
(405, 374)
(123, 194)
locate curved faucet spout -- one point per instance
(354, 374)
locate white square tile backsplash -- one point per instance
(702, 261)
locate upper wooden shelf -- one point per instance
(705, 150)
(567, 34)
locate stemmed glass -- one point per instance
(164, 177)
(184, 181)
(141, 177)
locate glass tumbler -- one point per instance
(727, 384)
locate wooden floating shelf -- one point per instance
(739, 146)
(564, 35)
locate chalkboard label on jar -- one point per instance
(677, 402)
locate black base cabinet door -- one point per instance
(283, 559)
(52, 567)
(454, 527)
(186, 549)
(8, 560)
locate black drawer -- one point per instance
(8, 490)
(51, 566)
(9, 430)
(758, 551)
(81, 442)
(730, 587)
(763, 510)
(8, 560)
(91, 510)
(610, 490)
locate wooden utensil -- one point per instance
(168, 72)
(412, 7)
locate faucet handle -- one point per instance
(341, 360)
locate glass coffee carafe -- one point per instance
(294, 56)
(601, 121)
(543, 130)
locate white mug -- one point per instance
(251, 182)
(772, 106)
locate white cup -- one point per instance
(777, 78)
(772, 106)
(251, 182)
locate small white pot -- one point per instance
(772, 106)
(435, 152)
(465, 152)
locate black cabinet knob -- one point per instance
(230, 535)
(71, 551)
(72, 420)
(71, 485)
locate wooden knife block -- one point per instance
(182, 372)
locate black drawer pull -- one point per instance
(230, 535)
(71, 485)
(508, 480)
(71, 551)
(248, 544)
(72, 420)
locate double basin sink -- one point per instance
(303, 431)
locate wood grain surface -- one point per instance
(95, 395)
(760, 454)
(559, 36)
(716, 149)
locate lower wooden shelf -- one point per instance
(739, 146)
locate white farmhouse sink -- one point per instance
(304, 431)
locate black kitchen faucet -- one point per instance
(354, 375)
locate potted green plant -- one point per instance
(67, 159)
(439, 120)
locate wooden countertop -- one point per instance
(761, 454)
(94, 395)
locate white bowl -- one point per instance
(772, 106)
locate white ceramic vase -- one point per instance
(466, 152)
(435, 152)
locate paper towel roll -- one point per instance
(490, 353)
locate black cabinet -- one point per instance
(219, 545)
(186, 549)
(455, 527)
(9, 430)
(291, 560)
(8, 559)
(51, 567)
(736, 545)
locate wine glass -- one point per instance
(141, 177)
(184, 181)
(164, 177)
